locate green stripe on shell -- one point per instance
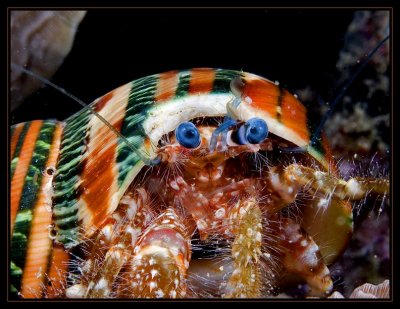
(67, 179)
(21, 138)
(223, 80)
(141, 99)
(32, 183)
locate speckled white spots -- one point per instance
(290, 190)
(276, 83)
(152, 285)
(138, 276)
(174, 185)
(304, 243)
(159, 293)
(120, 246)
(221, 268)
(267, 255)
(250, 232)
(201, 224)
(275, 180)
(116, 216)
(86, 265)
(258, 237)
(176, 282)
(323, 203)
(101, 284)
(76, 291)
(294, 237)
(172, 294)
(279, 109)
(107, 232)
(353, 187)
(248, 100)
(153, 273)
(310, 256)
(152, 261)
(318, 175)
(242, 211)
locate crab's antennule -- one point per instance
(145, 158)
(225, 126)
(335, 101)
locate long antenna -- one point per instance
(332, 106)
(145, 159)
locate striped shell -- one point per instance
(94, 167)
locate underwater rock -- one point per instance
(363, 124)
(39, 41)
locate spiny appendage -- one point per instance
(354, 188)
(194, 203)
(113, 246)
(301, 256)
(245, 281)
(160, 262)
(285, 188)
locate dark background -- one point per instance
(297, 47)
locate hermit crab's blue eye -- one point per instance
(187, 135)
(254, 131)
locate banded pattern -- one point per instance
(96, 166)
(285, 115)
(35, 154)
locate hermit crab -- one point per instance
(204, 173)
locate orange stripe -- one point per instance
(24, 160)
(263, 94)
(166, 86)
(101, 102)
(294, 115)
(201, 81)
(58, 272)
(97, 193)
(15, 137)
(100, 172)
(39, 245)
